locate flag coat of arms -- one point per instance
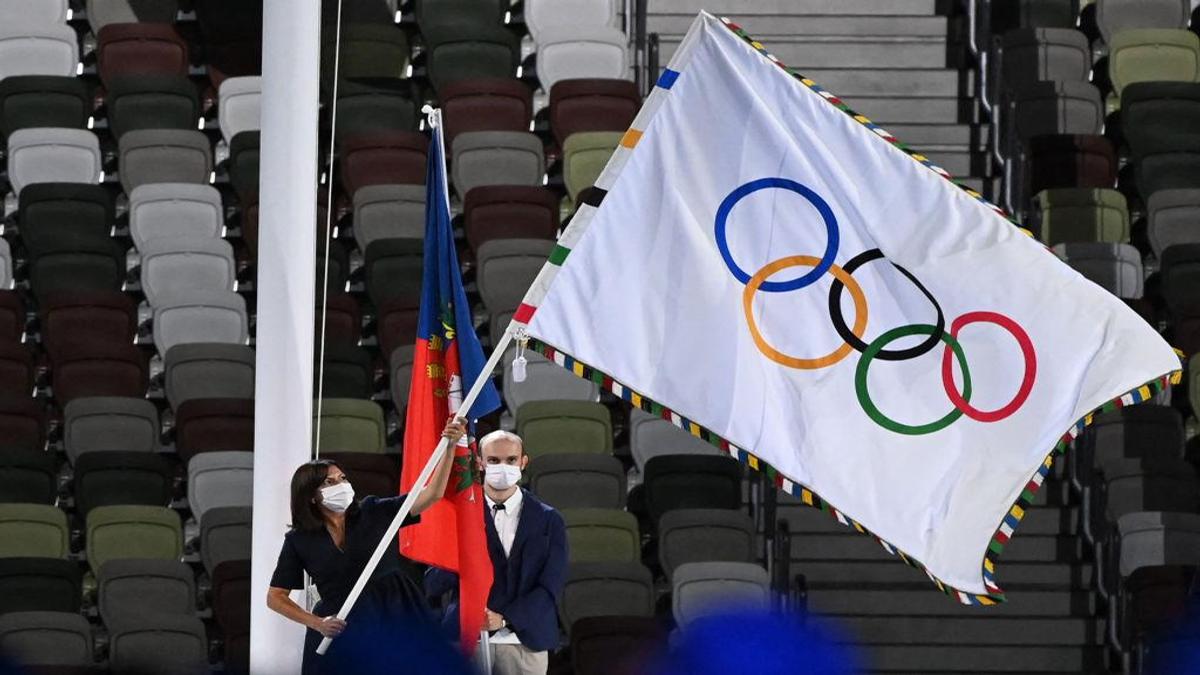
(778, 275)
(451, 533)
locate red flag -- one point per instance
(451, 533)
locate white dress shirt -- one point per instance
(506, 521)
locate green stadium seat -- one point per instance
(350, 425)
(1153, 55)
(1083, 214)
(33, 531)
(585, 155)
(116, 532)
(602, 535)
(553, 427)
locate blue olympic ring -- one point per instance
(831, 229)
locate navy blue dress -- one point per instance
(392, 602)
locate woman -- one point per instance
(331, 539)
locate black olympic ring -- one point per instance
(839, 321)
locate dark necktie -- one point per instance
(497, 507)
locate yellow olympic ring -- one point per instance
(856, 293)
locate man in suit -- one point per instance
(527, 542)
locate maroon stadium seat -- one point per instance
(17, 371)
(509, 211)
(383, 157)
(396, 323)
(231, 609)
(343, 320)
(370, 473)
(615, 645)
(87, 367)
(12, 316)
(1065, 160)
(492, 104)
(102, 316)
(592, 105)
(214, 424)
(22, 423)
(139, 49)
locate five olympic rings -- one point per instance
(852, 336)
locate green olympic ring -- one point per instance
(873, 349)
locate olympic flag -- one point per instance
(776, 274)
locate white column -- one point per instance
(285, 285)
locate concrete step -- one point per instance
(742, 8)
(763, 26)
(904, 109)
(836, 52)
(931, 602)
(1023, 547)
(1012, 576)
(940, 659)
(986, 630)
(934, 82)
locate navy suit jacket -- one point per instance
(528, 582)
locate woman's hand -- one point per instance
(455, 429)
(329, 626)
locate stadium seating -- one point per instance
(175, 265)
(35, 12)
(702, 588)
(33, 531)
(213, 425)
(151, 102)
(691, 482)
(1153, 55)
(388, 212)
(224, 535)
(100, 13)
(201, 370)
(27, 476)
(158, 643)
(132, 531)
(47, 638)
(1173, 218)
(120, 477)
(596, 589)
(614, 644)
(199, 316)
(350, 425)
(103, 423)
(133, 588)
(550, 427)
(509, 212)
(1115, 267)
(489, 104)
(602, 535)
(99, 369)
(50, 49)
(164, 156)
(575, 480)
(704, 535)
(28, 101)
(482, 157)
(50, 155)
(574, 51)
(1114, 16)
(40, 585)
(240, 105)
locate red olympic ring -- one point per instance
(1026, 382)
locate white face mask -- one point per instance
(337, 498)
(502, 476)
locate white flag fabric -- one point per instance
(777, 275)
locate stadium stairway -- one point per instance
(897, 62)
(1048, 625)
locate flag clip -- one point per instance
(519, 363)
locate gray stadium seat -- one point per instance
(164, 156)
(219, 479)
(568, 52)
(577, 481)
(542, 14)
(506, 268)
(1115, 267)
(50, 49)
(200, 316)
(100, 13)
(498, 322)
(1158, 538)
(496, 157)
(1044, 108)
(1113, 16)
(702, 588)
(34, 13)
(400, 368)
(704, 535)
(651, 436)
(158, 643)
(1173, 217)
(6, 265)
(173, 265)
(544, 381)
(174, 210)
(387, 212)
(239, 107)
(96, 424)
(1133, 485)
(1044, 54)
(606, 589)
(208, 370)
(46, 638)
(49, 155)
(224, 535)
(130, 587)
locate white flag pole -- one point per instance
(422, 481)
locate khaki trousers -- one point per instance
(518, 660)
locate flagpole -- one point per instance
(422, 481)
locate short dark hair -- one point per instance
(306, 514)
